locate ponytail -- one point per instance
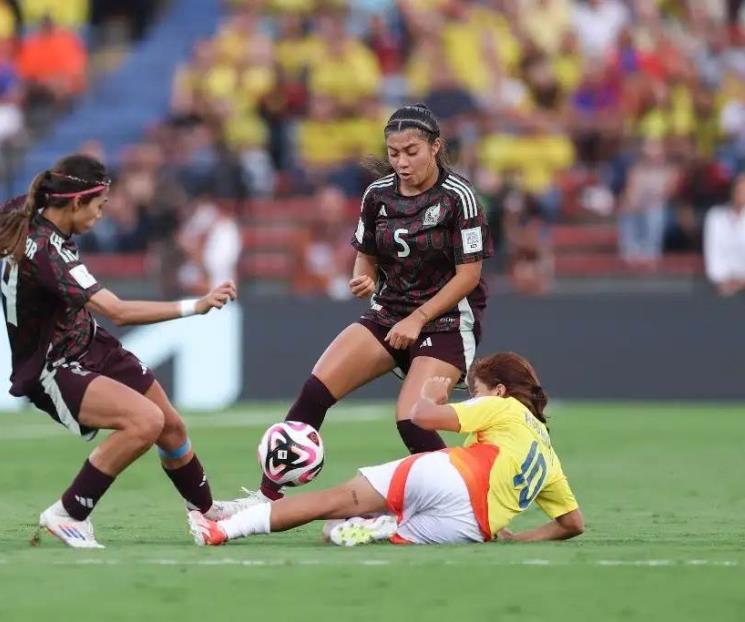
(16, 215)
(538, 401)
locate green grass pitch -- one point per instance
(661, 486)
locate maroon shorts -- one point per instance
(457, 348)
(62, 384)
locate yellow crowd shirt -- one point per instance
(525, 469)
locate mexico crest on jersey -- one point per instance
(431, 216)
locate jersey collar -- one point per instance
(442, 177)
(45, 222)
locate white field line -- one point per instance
(649, 563)
(49, 429)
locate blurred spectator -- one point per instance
(11, 19)
(328, 258)
(345, 70)
(138, 14)
(543, 103)
(210, 241)
(68, 14)
(123, 228)
(12, 131)
(598, 23)
(53, 62)
(703, 184)
(650, 185)
(546, 22)
(528, 253)
(724, 243)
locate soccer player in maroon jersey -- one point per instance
(73, 369)
(421, 240)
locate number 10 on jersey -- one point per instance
(531, 476)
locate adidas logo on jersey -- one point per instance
(427, 343)
(431, 216)
(382, 212)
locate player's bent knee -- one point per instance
(174, 426)
(148, 426)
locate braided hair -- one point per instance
(416, 117)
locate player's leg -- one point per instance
(422, 368)
(354, 358)
(85, 402)
(180, 463)
(448, 354)
(427, 495)
(354, 498)
(137, 423)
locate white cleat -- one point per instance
(75, 533)
(222, 510)
(357, 530)
(205, 532)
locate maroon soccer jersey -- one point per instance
(418, 241)
(44, 299)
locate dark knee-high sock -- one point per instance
(418, 440)
(191, 482)
(87, 488)
(310, 407)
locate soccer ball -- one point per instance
(291, 453)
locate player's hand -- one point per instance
(405, 332)
(437, 390)
(505, 535)
(362, 286)
(217, 298)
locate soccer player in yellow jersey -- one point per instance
(460, 494)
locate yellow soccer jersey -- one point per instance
(526, 468)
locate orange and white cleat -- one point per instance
(77, 534)
(205, 532)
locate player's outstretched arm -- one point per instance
(129, 312)
(563, 527)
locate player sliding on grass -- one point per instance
(462, 494)
(420, 242)
(70, 367)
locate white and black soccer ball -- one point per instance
(291, 453)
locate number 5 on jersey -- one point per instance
(398, 236)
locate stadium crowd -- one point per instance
(46, 61)
(629, 112)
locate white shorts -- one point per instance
(436, 508)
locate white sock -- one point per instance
(247, 522)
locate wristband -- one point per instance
(188, 306)
(423, 314)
